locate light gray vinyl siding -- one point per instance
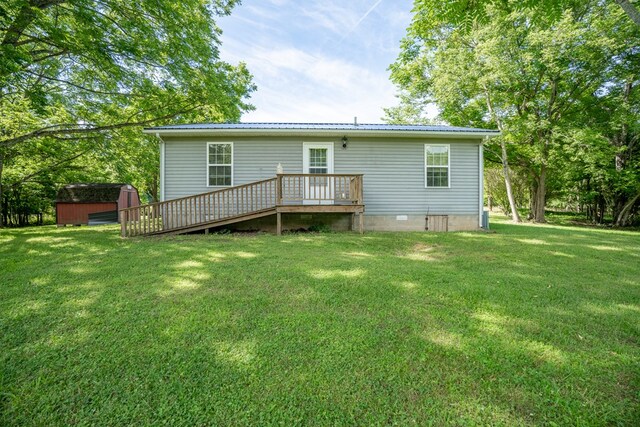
(393, 170)
(185, 168)
(394, 181)
(253, 160)
(258, 159)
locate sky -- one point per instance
(317, 61)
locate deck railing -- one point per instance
(319, 189)
(198, 209)
(240, 201)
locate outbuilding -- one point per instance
(93, 204)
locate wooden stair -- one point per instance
(285, 193)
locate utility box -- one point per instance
(485, 220)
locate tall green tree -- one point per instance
(532, 69)
(630, 9)
(75, 73)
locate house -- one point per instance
(368, 176)
(93, 204)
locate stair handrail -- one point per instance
(154, 221)
(235, 201)
(197, 195)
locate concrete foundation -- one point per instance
(464, 223)
(417, 222)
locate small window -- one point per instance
(436, 165)
(220, 164)
(318, 161)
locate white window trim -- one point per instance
(209, 144)
(424, 161)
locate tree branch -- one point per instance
(50, 55)
(86, 89)
(50, 167)
(24, 18)
(74, 129)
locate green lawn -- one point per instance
(531, 325)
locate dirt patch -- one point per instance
(421, 247)
(422, 252)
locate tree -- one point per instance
(80, 72)
(532, 69)
(409, 111)
(496, 191)
(630, 10)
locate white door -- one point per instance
(317, 159)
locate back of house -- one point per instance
(412, 177)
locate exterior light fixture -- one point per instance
(344, 142)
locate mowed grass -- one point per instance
(532, 325)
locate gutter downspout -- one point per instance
(480, 182)
(162, 155)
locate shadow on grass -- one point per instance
(530, 325)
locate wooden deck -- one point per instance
(285, 193)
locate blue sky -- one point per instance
(317, 61)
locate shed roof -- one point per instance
(320, 128)
(89, 193)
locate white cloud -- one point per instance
(296, 86)
(302, 70)
(362, 18)
(329, 16)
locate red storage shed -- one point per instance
(93, 204)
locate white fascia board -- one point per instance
(320, 133)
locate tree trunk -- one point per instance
(625, 212)
(515, 216)
(538, 202)
(630, 10)
(154, 188)
(619, 202)
(602, 209)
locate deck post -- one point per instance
(278, 189)
(278, 223)
(361, 222)
(123, 224)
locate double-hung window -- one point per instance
(436, 165)
(219, 164)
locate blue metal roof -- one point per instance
(321, 126)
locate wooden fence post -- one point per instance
(123, 224)
(278, 189)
